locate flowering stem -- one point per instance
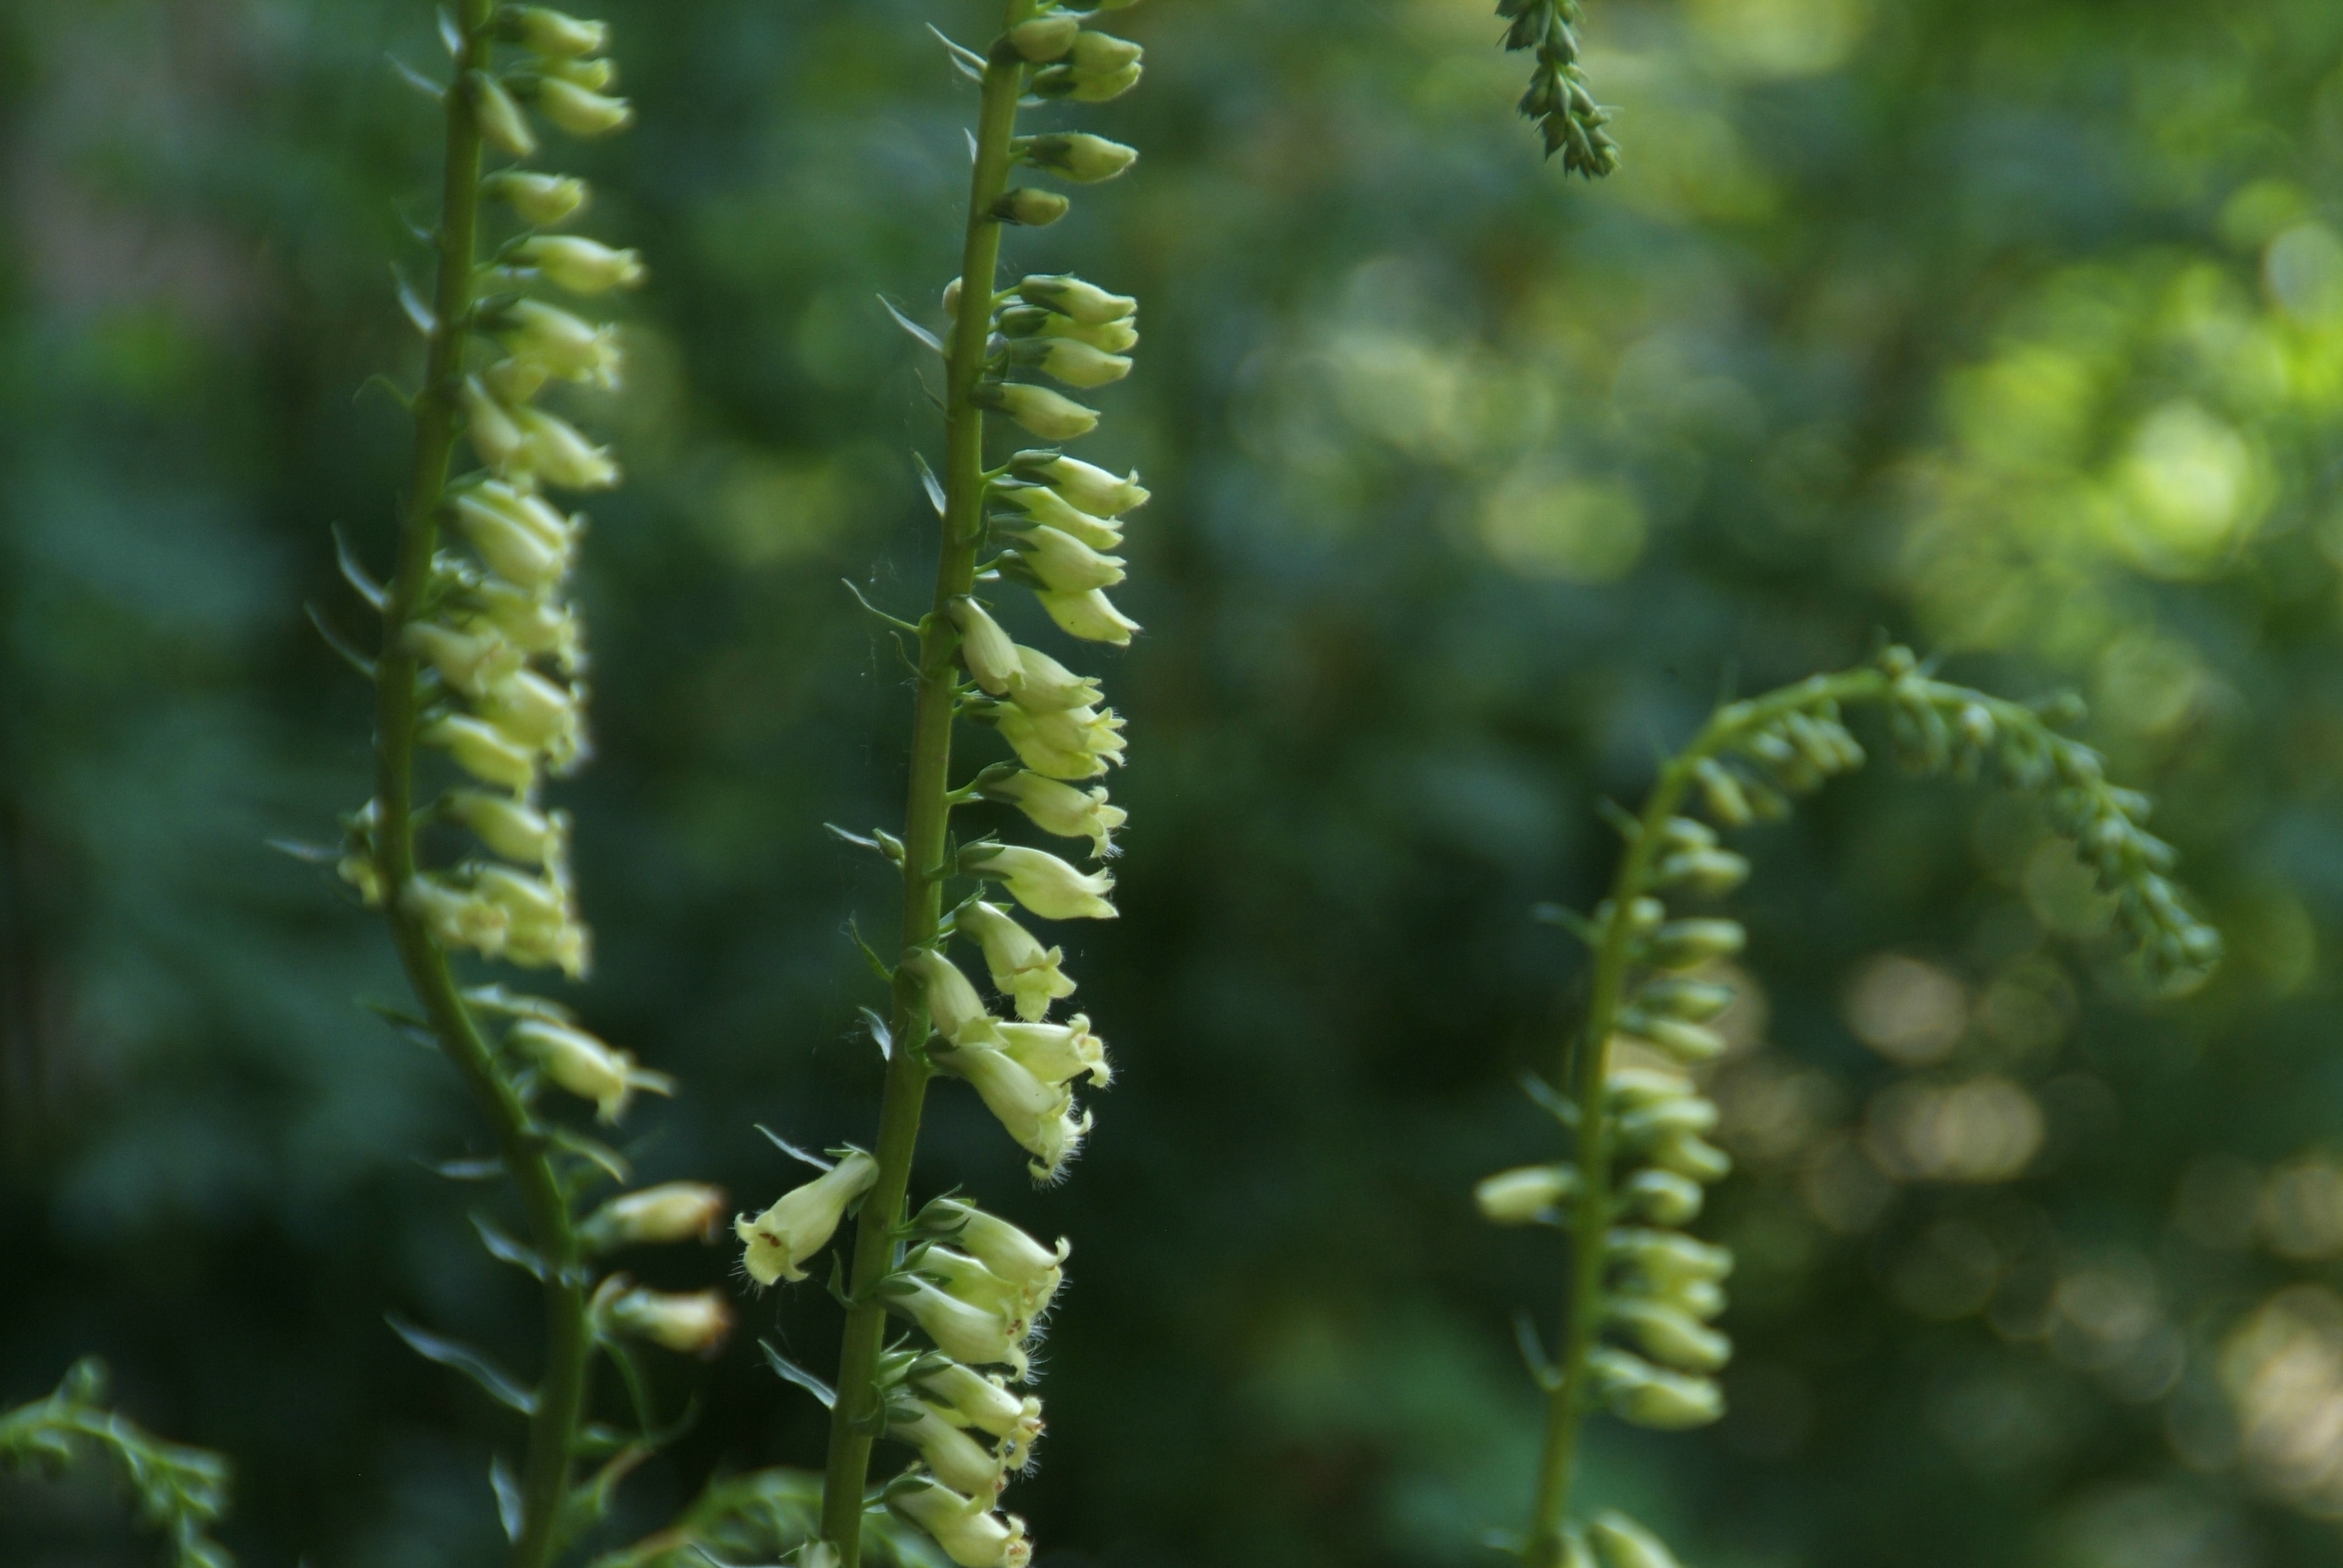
(1587, 1065)
(858, 1416)
(560, 1397)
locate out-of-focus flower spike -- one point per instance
(581, 111)
(542, 200)
(697, 1323)
(502, 125)
(541, 30)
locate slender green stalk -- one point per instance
(857, 1418)
(560, 1395)
(1585, 1066)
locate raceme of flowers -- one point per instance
(973, 1286)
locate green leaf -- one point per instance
(788, 1371)
(493, 1380)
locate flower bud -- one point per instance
(1053, 509)
(1021, 967)
(455, 918)
(1065, 82)
(1693, 1157)
(1712, 872)
(595, 76)
(987, 651)
(588, 1068)
(1069, 360)
(972, 1281)
(1043, 39)
(970, 1535)
(581, 111)
(541, 30)
(360, 873)
(1061, 743)
(1103, 54)
(1703, 1299)
(541, 200)
(1078, 156)
(1002, 1247)
(1089, 615)
(954, 1008)
(467, 660)
(1526, 1196)
(539, 713)
(1621, 1543)
(1042, 685)
(655, 1216)
(532, 622)
(1030, 206)
(1686, 944)
(510, 828)
(1664, 1256)
(545, 927)
(515, 551)
(502, 125)
(1661, 1198)
(1062, 809)
(804, 1219)
(952, 299)
(963, 1331)
(1640, 1392)
(1058, 1052)
(1695, 1002)
(1671, 1336)
(1047, 413)
(696, 1324)
(1089, 488)
(489, 425)
(551, 338)
(1727, 801)
(1633, 1088)
(581, 265)
(957, 1460)
(1686, 1042)
(481, 749)
(1070, 297)
(1041, 881)
(1032, 321)
(516, 381)
(553, 450)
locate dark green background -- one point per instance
(2013, 327)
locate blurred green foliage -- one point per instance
(2012, 327)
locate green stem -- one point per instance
(562, 1395)
(857, 1418)
(1587, 1064)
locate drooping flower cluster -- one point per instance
(1638, 1116)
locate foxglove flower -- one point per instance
(1021, 967)
(1044, 883)
(802, 1221)
(1061, 809)
(586, 1067)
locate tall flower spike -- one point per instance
(1049, 523)
(480, 655)
(1636, 1335)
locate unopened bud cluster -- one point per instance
(1567, 116)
